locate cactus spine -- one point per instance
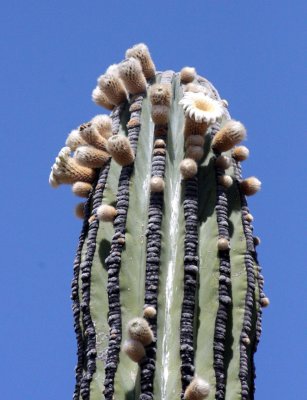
(167, 290)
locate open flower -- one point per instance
(201, 108)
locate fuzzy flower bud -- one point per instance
(112, 87)
(187, 74)
(250, 186)
(130, 71)
(99, 97)
(141, 52)
(104, 125)
(240, 153)
(92, 136)
(198, 389)
(157, 184)
(82, 189)
(106, 213)
(231, 134)
(134, 350)
(139, 329)
(74, 140)
(188, 168)
(120, 149)
(89, 156)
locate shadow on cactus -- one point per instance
(167, 291)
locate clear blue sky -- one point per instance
(51, 55)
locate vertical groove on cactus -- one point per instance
(153, 249)
(86, 266)
(113, 261)
(190, 207)
(76, 302)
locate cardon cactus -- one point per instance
(167, 291)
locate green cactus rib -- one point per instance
(75, 299)
(86, 266)
(224, 285)
(161, 257)
(113, 261)
(153, 250)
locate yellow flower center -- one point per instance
(204, 106)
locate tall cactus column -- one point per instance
(167, 290)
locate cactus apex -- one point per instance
(250, 186)
(106, 213)
(188, 168)
(187, 74)
(198, 389)
(240, 153)
(139, 329)
(134, 350)
(157, 184)
(82, 189)
(232, 133)
(120, 149)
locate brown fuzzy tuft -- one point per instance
(250, 186)
(195, 152)
(134, 350)
(66, 170)
(240, 153)
(265, 302)
(159, 143)
(79, 210)
(74, 140)
(198, 389)
(187, 74)
(225, 180)
(89, 156)
(99, 97)
(223, 162)
(139, 329)
(231, 134)
(120, 149)
(249, 217)
(113, 88)
(188, 168)
(223, 244)
(92, 136)
(195, 140)
(160, 114)
(257, 240)
(141, 52)
(161, 94)
(130, 71)
(194, 128)
(157, 184)
(149, 312)
(82, 189)
(104, 125)
(106, 213)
